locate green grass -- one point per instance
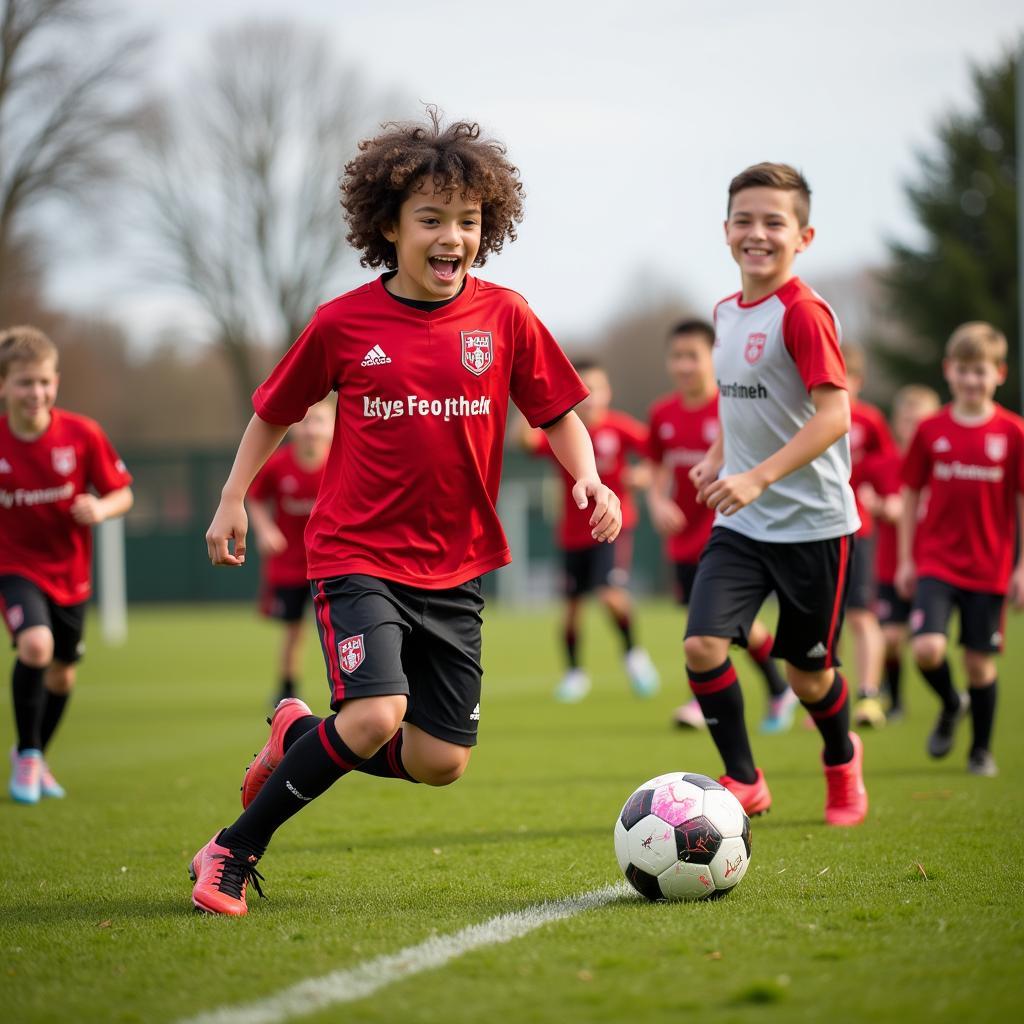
(916, 916)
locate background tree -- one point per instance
(243, 187)
(65, 104)
(965, 268)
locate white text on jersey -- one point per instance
(387, 409)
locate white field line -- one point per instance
(358, 982)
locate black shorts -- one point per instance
(286, 604)
(602, 565)
(891, 609)
(23, 604)
(982, 615)
(861, 595)
(381, 638)
(685, 573)
(735, 575)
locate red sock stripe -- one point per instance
(837, 604)
(323, 617)
(836, 706)
(764, 652)
(709, 686)
(392, 755)
(321, 731)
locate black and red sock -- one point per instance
(28, 694)
(624, 624)
(721, 701)
(831, 715)
(983, 714)
(387, 762)
(762, 657)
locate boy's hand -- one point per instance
(666, 516)
(869, 498)
(731, 493)
(906, 580)
(269, 541)
(704, 472)
(1016, 593)
(88, 510)
(607, 518)
(229, 523)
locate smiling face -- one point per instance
(436, 240)
(973, 384)
(690, 366)
(763, 233)
(30, 390)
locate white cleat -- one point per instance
(643, 676)
(574, 686)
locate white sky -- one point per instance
(628, 120)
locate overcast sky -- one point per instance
(628, 120)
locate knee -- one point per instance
(366, 724)
(704, 653)
(35, 647)
(929, 650)
(60, 679)
(810, 687)
(980, 668)
(445, 770)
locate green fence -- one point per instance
(177, 491)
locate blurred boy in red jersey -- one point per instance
(280, 501)
(603, 569)
(959, 553)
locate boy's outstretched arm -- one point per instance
(571, 444)
(831, 420)
(230, 521)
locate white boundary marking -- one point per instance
(355, 983)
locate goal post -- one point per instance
(113, 604)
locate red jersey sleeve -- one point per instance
(106, 470)
(544, 384)
(812, 339)
(301, 379)
(633, 434)
(917, 463)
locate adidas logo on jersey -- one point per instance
(475, 716)
(375, 357)
(941, 445)
(819, 650)
(5, 466)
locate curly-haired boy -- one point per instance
(424, 359)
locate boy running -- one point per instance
(280, 501)
(683, 427)
(600, 568)
(59, 477)
(960, 552)
(778, 478)
(424, 359)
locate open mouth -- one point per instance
(445, 268)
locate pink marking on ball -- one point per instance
(670, 805)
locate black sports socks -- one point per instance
(721, 700)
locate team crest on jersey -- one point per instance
(351, 653)
(477, 351)
(63, 460)
(755, 347)
(995, 447)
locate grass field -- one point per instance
(916, 916)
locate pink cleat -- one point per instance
(285, 715)
(846, 800)
(221, 879)
(755, 796)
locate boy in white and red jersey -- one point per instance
(601, 568)
(424, 360)
(280, 501)
(869, 439)
(879, 492)
(59, 476)
(778, 478)
(960, 553)
(683, 426)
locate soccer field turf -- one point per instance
(916, 916)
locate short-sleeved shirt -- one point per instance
(290, 489)
(869, 437)
(411, 482)
(973, 474)
(614, 438)
(679, 439)
(768, 356)
(39, 481)
(883, 472)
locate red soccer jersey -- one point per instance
(869, 436)
(973, 475)
(39, 480)
(883, 473)
(613, 438)
(410, 485)
(679, 439)
(291, 491)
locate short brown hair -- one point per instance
(977, 341)
(915, 394)
(693, 326)
(780, 176)
(24, 344)
(456, 158)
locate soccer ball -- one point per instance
(682, 836)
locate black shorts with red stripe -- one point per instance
(982, 614)
(810, 579)
(23, 605)
(381, 638)
(284, 603)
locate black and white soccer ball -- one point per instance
(682, 836)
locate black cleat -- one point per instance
(940, 741)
